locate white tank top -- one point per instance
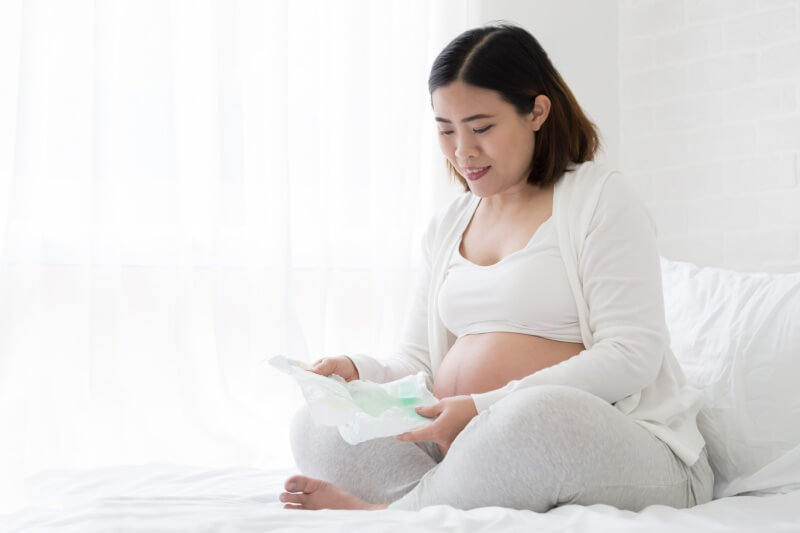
(525, 292)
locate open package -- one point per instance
(361, 410)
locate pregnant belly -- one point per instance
(487, 361)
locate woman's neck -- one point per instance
(508, 202)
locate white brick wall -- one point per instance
(710, 127)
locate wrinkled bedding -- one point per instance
(169, 498)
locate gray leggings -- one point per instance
(535, 449)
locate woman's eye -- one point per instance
(480, 130)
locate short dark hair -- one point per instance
(506, 58)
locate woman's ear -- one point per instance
(541, 110)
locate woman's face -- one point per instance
(484, 138)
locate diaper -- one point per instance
(361, 410)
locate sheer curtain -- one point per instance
(187, 188)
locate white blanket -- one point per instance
(173, 498)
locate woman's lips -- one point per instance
(476, 173)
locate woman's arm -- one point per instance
(620, 275)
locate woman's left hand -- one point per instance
(451, 414)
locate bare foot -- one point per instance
(305, 492)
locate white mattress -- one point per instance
(171, 498)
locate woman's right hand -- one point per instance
(341, 366)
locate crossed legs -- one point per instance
(535, 449)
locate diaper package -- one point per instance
(361, 410)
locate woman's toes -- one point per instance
(287, 497)
(291, 484)
(300, 483)
(309, 493)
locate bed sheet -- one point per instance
(161, 497)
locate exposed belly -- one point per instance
(487, 361)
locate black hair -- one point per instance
(506, 58)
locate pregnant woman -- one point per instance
(538, 318)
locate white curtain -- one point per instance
(188, 188)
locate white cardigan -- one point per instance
(607, 239)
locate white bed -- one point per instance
(737, 336)
(171, 498)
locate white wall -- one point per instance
(711, 127)
(580, 36)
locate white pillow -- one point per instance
(737, 338)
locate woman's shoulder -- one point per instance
(589, 189)
(454, 209)
(591, 179)
(447, 215)
(588, 172)
(612, 194)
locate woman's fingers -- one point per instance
(414, 436)
(428, 433)
(342, 366)
(430, 410)
(323, 367)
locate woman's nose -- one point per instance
(466, 148)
